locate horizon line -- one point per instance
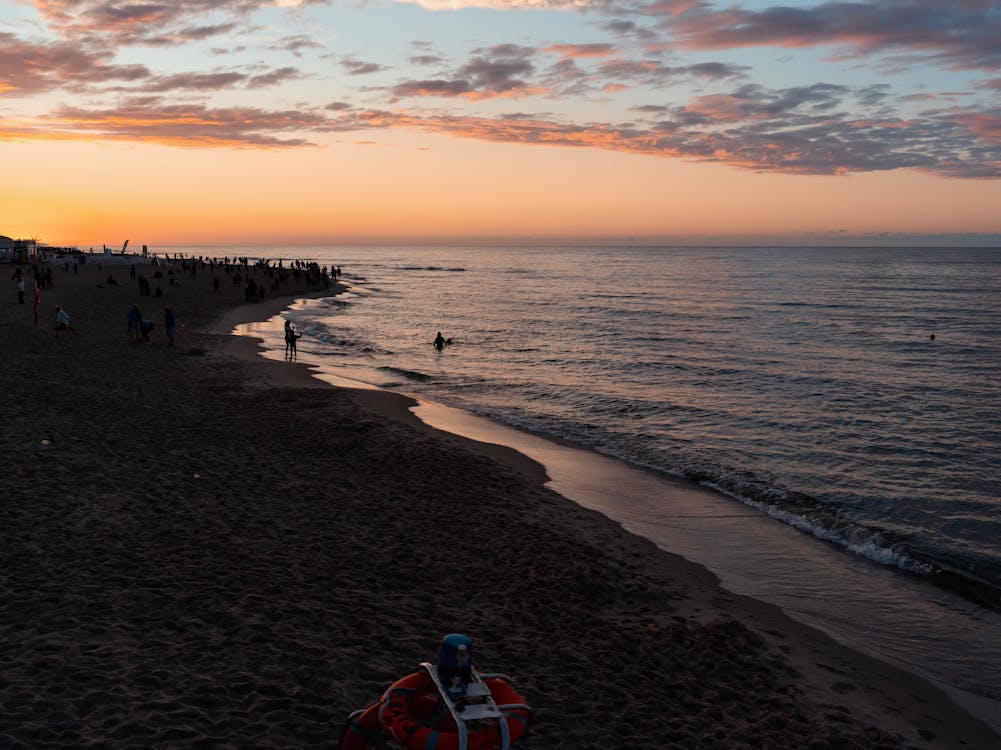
(804, 239)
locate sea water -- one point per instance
(849, 393)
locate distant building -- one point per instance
(17, 250)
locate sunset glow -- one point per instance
(262, 121)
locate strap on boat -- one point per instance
(484, 708)
(351, 725)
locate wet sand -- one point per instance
(215, 550)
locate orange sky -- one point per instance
(443, 189)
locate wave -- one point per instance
(803, 512)
(880, 547)
(824, 522)
(818, 305)
(414, 375)
(431, 268)
(315, 330)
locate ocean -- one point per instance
(850, 394)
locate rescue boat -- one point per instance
(448, 707)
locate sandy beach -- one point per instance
(203, 548)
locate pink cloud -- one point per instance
(576, 51)
(150, 120)
(985, 126)
(794, 131)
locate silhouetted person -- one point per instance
(291, 337)
(135, 319)
(168, 324)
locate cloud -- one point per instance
(794, 131)
(28, 68)
(513, 71)
(360, 68)
(985, 125)
(713, 70)
(816, 129)
(273, 77)
(581, 50)
(626, 28)
(193, 82)
(656, 74)
(424, 53)
(955, 34)
(432, 88)
(660, 110)
(190, 34)
(296, 44)
(151, 120)
(510, 4)
(990, 84)
(621, 26)
(426, 60)
(499, 71)
(130, 22)
(219, 51)
(753, 103)
(874, 95)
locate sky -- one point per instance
(173, 122)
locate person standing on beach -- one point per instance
(135, 319)
(19, 288)
(291, 337)
(38, 301)
(168, 324)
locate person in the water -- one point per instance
(439, 341)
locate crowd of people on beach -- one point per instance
(260, 279)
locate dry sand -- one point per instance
(214, 550)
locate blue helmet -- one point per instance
(456, 653)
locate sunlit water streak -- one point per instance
(803, 382)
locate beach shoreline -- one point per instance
(216, 548)
(881, 611)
